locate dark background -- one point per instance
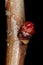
(34, 13)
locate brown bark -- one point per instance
(15, 52)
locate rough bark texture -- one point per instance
(15, 52)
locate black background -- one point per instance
(34, 13)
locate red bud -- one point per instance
(28, 27)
